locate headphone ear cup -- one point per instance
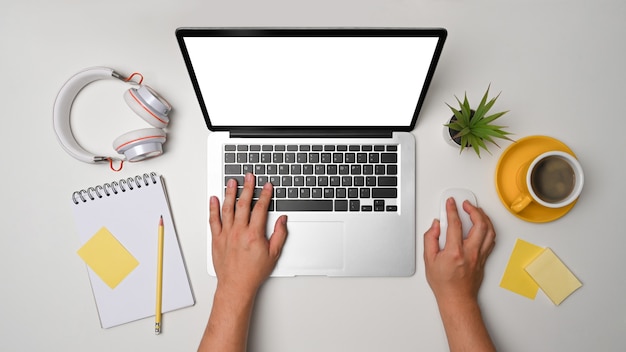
(140, 144)
(149, 105)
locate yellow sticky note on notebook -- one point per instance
(515, 278)
(107, 257)
(554, 278)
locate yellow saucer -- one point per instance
(510, 176)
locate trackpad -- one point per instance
(311, 248)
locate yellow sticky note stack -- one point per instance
(515, 278)
(554, 278)
(107, 257)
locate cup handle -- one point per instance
(521, 202)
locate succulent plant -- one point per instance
(473, 126)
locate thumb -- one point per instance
(277, 240)
(431, 241)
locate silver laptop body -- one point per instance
(325, 115)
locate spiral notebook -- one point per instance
(118, 224)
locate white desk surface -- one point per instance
(559, 65)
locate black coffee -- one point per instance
(553, 179)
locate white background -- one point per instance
(559, 65)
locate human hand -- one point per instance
(243, 257)
(455, 273)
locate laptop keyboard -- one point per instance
(355, 178)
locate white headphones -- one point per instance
(135, 145)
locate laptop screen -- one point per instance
(298, 78)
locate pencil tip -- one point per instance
(161, 221)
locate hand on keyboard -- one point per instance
(243, 257)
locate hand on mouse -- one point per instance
(456, 273)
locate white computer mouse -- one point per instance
(460, 195)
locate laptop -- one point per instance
(325, 115)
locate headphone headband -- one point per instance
(143, 100)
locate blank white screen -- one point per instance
(310, 81)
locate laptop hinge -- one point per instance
(311, 133)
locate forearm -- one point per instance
(227, 329)
(465, 327)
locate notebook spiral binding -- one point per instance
(107, 189)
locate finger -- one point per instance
(277, 241)
(477, 233)
(215, 222)
(454, 234)
(242, 209)
(258, 219)
(228, 208)
(490, 237)
(431, 241)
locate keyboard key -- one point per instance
(392, 169)
(298, 181)
(374, 158)
(239, 179)
(379, 205)
(242, 148)
(337, 158)
(388, 158)
(392, 208)
(355, 205)
(267, 148)
(292, 193)
(329, 193)
(255, 148)
(232, 169)
(340, 193)
(316, 193)
(229, 157)
(275, 180)
(354, 148)
(379, 148)
(384, 193)
(277, 158)
(392, 148)
(314, 158)
(230, 148)
(366, 208)
(387, 181)
(292, 148)
(341, 205)
(281, 192)
(279, 148)
(305, 192)
(317, 148)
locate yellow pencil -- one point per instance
(159, 284)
